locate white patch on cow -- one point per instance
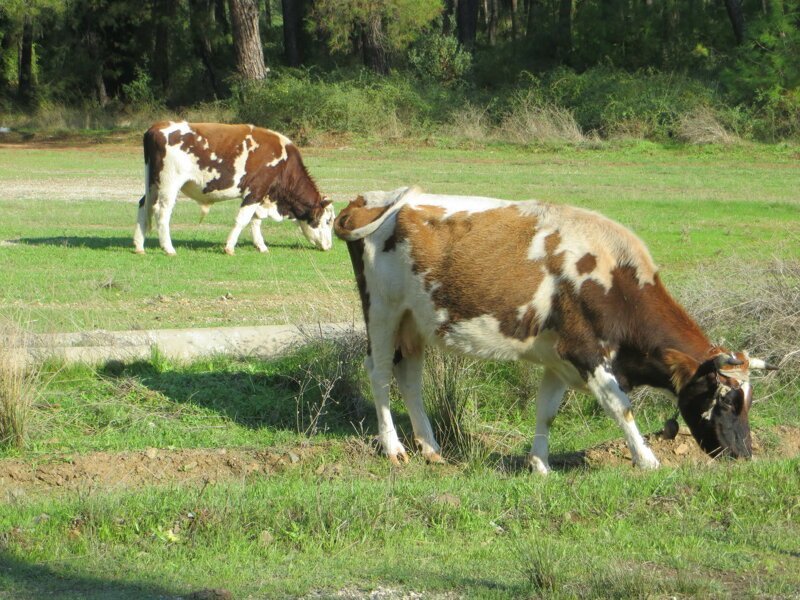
(284, 153)
(181, 127)
(542, 301)
(537, 251)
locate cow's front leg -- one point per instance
(605, 387)
(408, 373)
(244, 216)
(548, 399)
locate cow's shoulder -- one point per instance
(369, 211)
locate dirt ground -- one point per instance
(120, 470)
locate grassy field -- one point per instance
(159, 480)
(66, 255)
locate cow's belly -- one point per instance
(481, 337)
(195, 191)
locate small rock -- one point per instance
(211, 594)
(293, 457)
(188, 466)
(682, 449)
(265, 538)
(151, 453)
(448, 499)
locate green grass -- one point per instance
(69, 261)
(343, 520)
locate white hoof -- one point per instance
(647, 460)
(538, 465)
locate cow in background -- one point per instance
(211, 162)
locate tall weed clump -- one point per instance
(305, 105)
(18, 385)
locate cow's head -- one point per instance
(714, 398)
(318, 229)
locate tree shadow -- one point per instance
(290, 400)
(106, 243)
(36, 580)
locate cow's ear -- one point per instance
(325, 202)
(682, 368)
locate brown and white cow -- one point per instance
(555, 285)
(210, 162)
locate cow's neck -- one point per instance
(666, 326)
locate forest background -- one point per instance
(512, 70)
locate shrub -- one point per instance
(530, 121)
(301, 104)
(701, 126)
(440, 58)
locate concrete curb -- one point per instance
(179, 344)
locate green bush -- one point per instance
(440, 58)
(302, 104)
(604, 99)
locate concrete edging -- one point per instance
(265, 341)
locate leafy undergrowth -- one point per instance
(156, 480)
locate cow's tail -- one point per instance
(349, 216)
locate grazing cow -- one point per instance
(555, 285)
(210, 162)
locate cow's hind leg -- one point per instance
(379, 369)
(255, 229)
(408, 373)
(243, 217)
(164, 204)
(141, 227)
(606, 389)
(548, 399)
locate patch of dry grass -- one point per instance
(18, 384)
(701, 126)
(530, 122)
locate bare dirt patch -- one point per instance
(126, 470)
(120, 470)
(780, 442)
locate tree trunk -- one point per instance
(514, 25)
(564, 29)
(467, 22)
(220, 16)
(201, 24)
(447, 15)
(247, 40)
(164, 16)
(267, 13)
(6, 43)
(375, 55)
(492, 10)
(736, 15)
(25, 81)
(292, 31)
(100, 87)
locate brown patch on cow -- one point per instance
(390, 243)
(638, 322)
(356, 251)
(628, 415)
(355, 216)
(586, 263)
(462, 254)
(553, 261)
(204, 140)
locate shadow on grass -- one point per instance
(23, 579)
(105, 243)
(250, 399)
(518, 463)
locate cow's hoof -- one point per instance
(172, 253)
(263, 250)
(401, 458)
(647, 460)
(229, 251)
(537, 465)
(138, 250)
(434, 458)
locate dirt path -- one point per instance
(121, 470)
